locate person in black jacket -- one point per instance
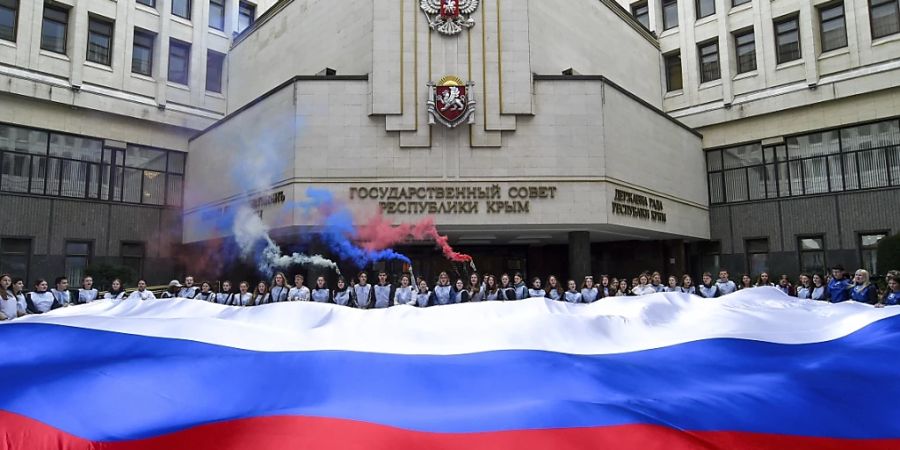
(41, 300)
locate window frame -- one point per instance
(103, 178)
(148, 3)
(820, 12)
(141, 259)
(246, 7)
(646, 6)
(175, 43)
(667, 68)
(871, 5)
(749, 254)
(697, 10)
(190, 7)
(735, 3)
(220, 4)
(100, 20)
(134, 44)
(861, 249)
(700, 55)
(801, 252)
(212, 55)
(88, 257)
(664, 4)
(5, 255)
(65, 38)
(736, 36)
(15, 15)
(795, 18)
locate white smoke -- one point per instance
(250, 231)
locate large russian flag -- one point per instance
(753, 370)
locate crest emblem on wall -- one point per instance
(449, 16)
(451, 102)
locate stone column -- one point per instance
(579, 255)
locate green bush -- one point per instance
(104, 274)
(889, 254)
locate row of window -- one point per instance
(54, 32)
(859, 157)
(182, 8)
(884, 15)
(15, 256)
(811, 253)
(833, 35)
(65, 165)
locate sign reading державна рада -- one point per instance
(636, 205)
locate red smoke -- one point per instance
(379, 233)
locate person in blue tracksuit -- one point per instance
(456, 292)
(589, 292)
(506, 287)
(573, 295)
(424, 297)
(492, 289)
(892, 296)
(656, 282)
(260, 294)
(342, 295)
(405, 292)
(320, 293)
(519, 286)
(725, 285)
(443, 291)
(804, 287)
(362, 292)
(206, 293)
(672, 285)
(687, 285)
(838, 285)
(188, 290)
(299, 292)
(708, 289)
(243, 297)
(225, 296)
(819, 288)
(862, 290)
(383, 292)
(536, 291)
(553, 291)
(280, 290)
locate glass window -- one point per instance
(714, 160)
(246, 15)
(23, 140)
(716, 188)
(673, 71)
(670, 14)
(214, 64)
(154, 188)
(738, 2)
(742, 156)
(14, 254)
(787, 39)
(757, 255)
(851, 173)
(868, 250)
(873, 135)
(873, 169)
(756, 177)
(832, 27)
(145, 158)
(9, 12)
(99, 41)
(641, 12)
(182, 8)
(736, 185)
(709, 61)
(78, 257)
(893, 155)
(132, 254)
(54, 28)
(142, 53)
(179, 61)
(175, 189)
(884, 17)
(705, 8)
(15, 172)
(176, 162)
(150, 3)
(815, 173)
(745, 50)
(812, 254)
(75, 147)
(132, 191)
(814, 144)
(217, 14)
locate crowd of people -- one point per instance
(836, 287)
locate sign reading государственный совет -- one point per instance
(491, 199)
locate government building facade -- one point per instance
(577, 137)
